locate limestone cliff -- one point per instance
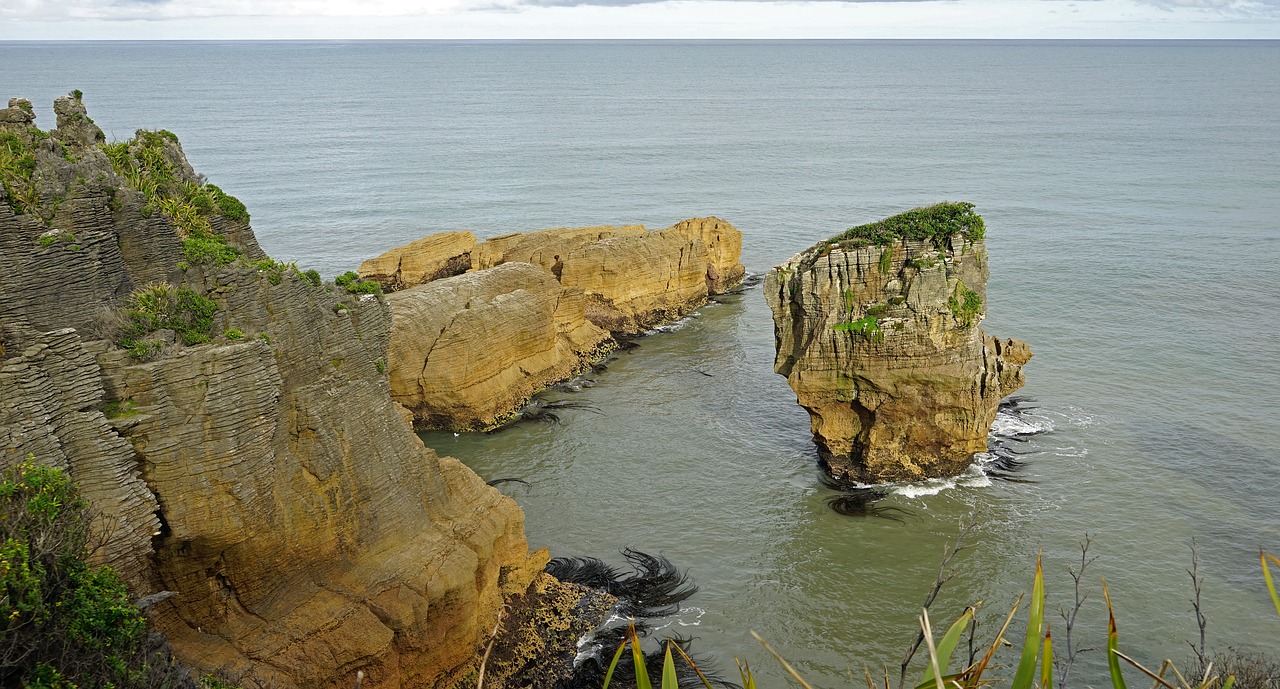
(877, 333)
(468, 350)
(433, 257)
(243, 449)
(633, 279)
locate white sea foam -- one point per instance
(1009, 425)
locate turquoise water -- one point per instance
(1131, 194)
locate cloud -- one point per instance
(636, 19)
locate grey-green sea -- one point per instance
(1132, 198)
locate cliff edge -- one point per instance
(230, 418)
(877, 333)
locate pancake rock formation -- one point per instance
(531, 310)
(632, 278)
(468, 350)
(231, 420)
(877, 333)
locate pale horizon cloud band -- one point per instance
(637, 19)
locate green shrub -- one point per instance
(202, 248)
(274, 270)
(867, 326)
(145, 165)
(380, 365)
(62, 622)
(232, 334)
(313, 276)
(161, 306)
(965, 304)
(886, 259)
(935, 223)
(351, 282)
(17, 165)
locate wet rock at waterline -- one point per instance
(877, 333)
(468, 351)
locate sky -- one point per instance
(636, 19)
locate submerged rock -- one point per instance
(877, 333)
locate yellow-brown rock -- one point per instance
(880, 348)
(433, 257)
(635, 282)
(546, 249)
(724, 247)
(468, 350)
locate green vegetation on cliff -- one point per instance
(965, 304)
(17, 165)
(148, 167)
(935, 223)
(162, 306)
(63, 623)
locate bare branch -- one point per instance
(944, 575)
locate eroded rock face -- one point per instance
(877, 342)
(431, 258)
(468, 350)
(266, 477)
(634, 279)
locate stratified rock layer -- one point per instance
(266, 477)
(899, 382)
(468, 350)
(633, 279)
(433, 257)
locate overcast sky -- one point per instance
(240, 19)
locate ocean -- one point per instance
(1132, 198)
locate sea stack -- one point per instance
(877, 332)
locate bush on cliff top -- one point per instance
(143, 163)
(935, 223)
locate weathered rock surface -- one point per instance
(433, 257)
(468, 350)
(265, 477)
(634, 279)
(899, 382)
(724, 247)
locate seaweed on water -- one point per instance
(654, 588)
(500, 481)
(1005, 466)
(860, 501)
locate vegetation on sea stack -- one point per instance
(936, 223)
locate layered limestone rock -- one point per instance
(468, 350)
(881, 345)
(265, 476)
(633, 278)
(431, 258)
